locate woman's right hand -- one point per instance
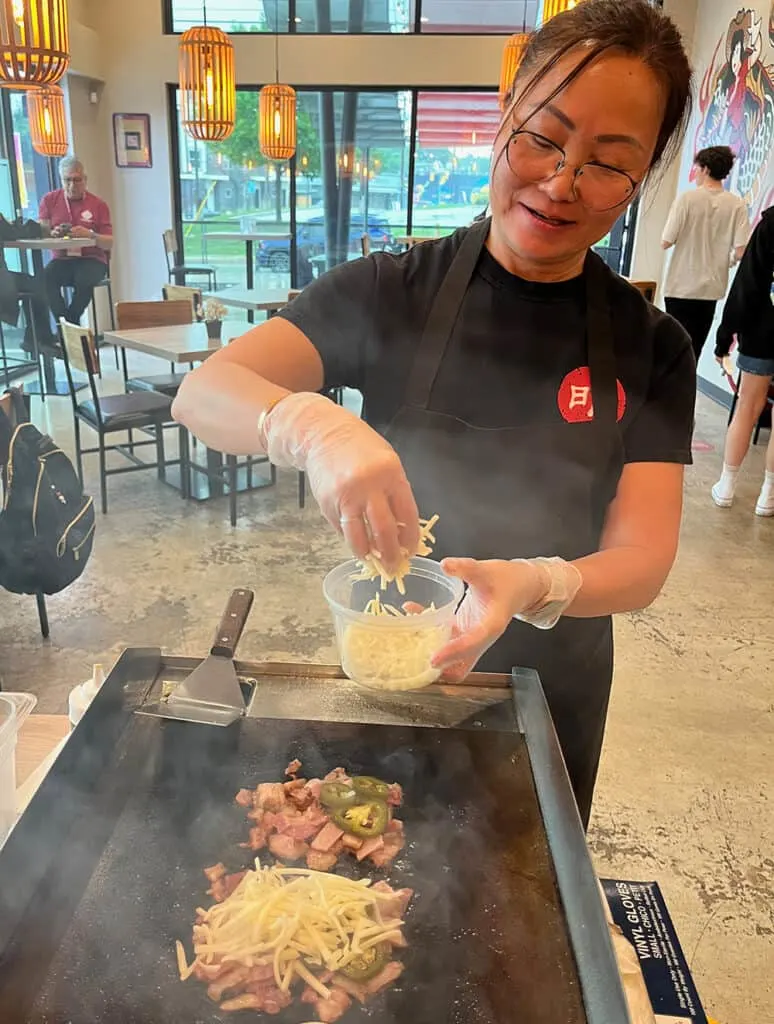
(354, 474)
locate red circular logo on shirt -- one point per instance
(575, 401)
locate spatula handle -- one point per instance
(232, 623)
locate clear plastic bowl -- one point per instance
(387, 652)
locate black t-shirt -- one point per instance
(517, 354)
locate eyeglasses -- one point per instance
(73, 181)
(534, 158)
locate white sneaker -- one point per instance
(721, 499)
(765, 505)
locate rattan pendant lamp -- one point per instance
(277, 111)
(207, 82)
(34, 43)
(48, 124)
(512, 58)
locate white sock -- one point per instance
(727, 483)
(767, 491)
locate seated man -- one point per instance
(73, 212)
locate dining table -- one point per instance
(249, 238)
(188, 344)
(49, 385)
(254, 300)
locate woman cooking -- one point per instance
(511, 382)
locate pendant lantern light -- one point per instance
(48, 125)
(34, 42)
(207, 82)
(277, 112)
(553, 7)
(512, 57)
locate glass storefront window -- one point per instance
(478, 17)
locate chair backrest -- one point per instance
(293, 293)
(365, 244)
(153, 314)
(80, 353)
(176, 292)
(648, 288)
(170, 242)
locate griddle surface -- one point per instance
(487, 938)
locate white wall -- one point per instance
(139, 61)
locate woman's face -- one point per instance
(611, 114)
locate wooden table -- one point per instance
(38, 737)
(249, 238)
(267, 300)
(188, 343)
(181, 343)
(36, 247)
(411, 240)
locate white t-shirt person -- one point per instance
(707, 229)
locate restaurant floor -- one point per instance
(686, 790)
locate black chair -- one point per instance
(178, 272)
(115, 413)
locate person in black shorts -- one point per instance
(511, 381)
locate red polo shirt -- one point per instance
(89, 212)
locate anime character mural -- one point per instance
(736, 106)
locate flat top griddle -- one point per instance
(104, 871)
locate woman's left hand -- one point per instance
(497, 590)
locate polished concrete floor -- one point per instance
(686, 791)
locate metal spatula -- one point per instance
(211, 695)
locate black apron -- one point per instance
(520, 493)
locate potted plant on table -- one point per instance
(213, 314)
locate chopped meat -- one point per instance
(294, 767)
(316, 860)
(314, 786)
(386, 855)
(233, 977)
(396, 907)
(370, 846)
(271, 796)
(215, 872)
(245, 798)
(397, 941)
(293, 784)
(207, 972)
(390, 973)
(309, 996)
(257, 838)
(257, 814)
(327, 837)
(276, 1000)
(338, 775)
(218, 890)
(300, 798)
(300, 826)
(351, 842)
(393, 825)
(260, 974)
(395, 795)
(248, 1001)
(329, 1010)
(232, 881)
(287, 848)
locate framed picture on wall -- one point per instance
(131, 136)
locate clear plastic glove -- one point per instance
(497, 591)
(354, 474)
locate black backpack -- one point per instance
(47, 522)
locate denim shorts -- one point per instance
(758, 367)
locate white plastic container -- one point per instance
(14, 709)
(387, 652)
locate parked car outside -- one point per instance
(274, 253)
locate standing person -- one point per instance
(511, 381)
(708, 228)
(749, 314)
(73, 211)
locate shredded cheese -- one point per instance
(293, 919)
(372, 568)
(392, 659)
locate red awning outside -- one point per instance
(448, 120)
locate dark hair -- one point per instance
(633, 27)
(716, 160)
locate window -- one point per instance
(478, 17)
(469, 17)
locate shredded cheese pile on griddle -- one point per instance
(295, 919)
(371, 567)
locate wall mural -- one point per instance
(736, 106)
